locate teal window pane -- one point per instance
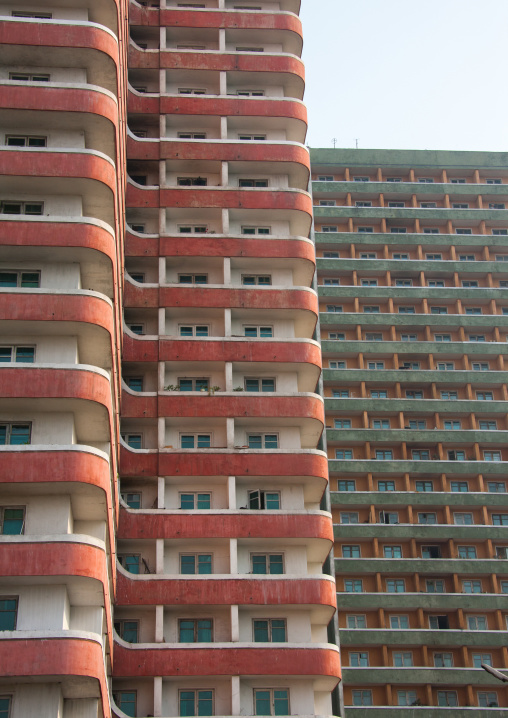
(205, 703)
(20, 434)
(13, 522)
(259, 564)
(251, 385)
(30, 279)
(201, 331)
(261, 633)
(280, 703)
(279, 631)
(202, 385)
(133, 501)
(8, 613)
(188, 564)
(186, 634)
(264, 280)
(255, 441)
(204, 441)
(205, 563)
(265, 332)
(201, 279)
(186, 332)
(187, 441)
(249, 331)
(263, 230)
(187, 502)
(276, 565)
(262, 707)
(3, 435)
(24, 355)
(131, 564)
(185, 278)
(5, 706)
(5, 354)
(135, 383)
(134, 441)
(187, 701)
(272, 501)
(203, 501)
(248, 280)
(8, 279)
(271, 441)
(130, 631)
(186, 385)
(267, 385)
(204, 630)
(126, 701)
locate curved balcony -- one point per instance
(234, 19)
(426, 532)
(228, 659)
(151, 589)
(224, 524)
(217, 245)
(71, 653)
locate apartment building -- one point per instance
(222, 603)
(412, 252)
(61, 237)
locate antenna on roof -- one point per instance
(356, 144)
(334, 142)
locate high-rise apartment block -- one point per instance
(173, 565)
(412, 252)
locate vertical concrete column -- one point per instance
(223, 83)
(159, 556)
(161, 432)
(157, 696)
(161, 368)
(226, 271)
(162, 321)
(227, 322)
(162, 173)
(225, 221)
(233, 556)
(229, 376)
(235, 624)
(230, 432)
(159, 624)
(223, 128)
(232, 493)
(224, 174)
(428, 694)
(161, 492)
(222, 33)
(426, 656)
(235, 691)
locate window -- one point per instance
(386, 485)
(269, 630)
(196, 703)
(395, 585)
(480, 366)
(477, 623)
(252, 138)
(25, 141)
(190, 181)
(388, 517)
(402, 659)
(126, 701)
(258, 332)
(456, 455)
(371, 309)
(414, 394)
(394, 179)
(195, 630)
(356, 621)
(398, 622)
(476, 338)
(330, 282)
(139, 228)
(502, 552)
(128, 630)
(427, 518)
(490, 425)
(417, 424)
(479, 658)
(398, 230)
(195, 441)
(343, 454)
(253, 183)
(26, 280)
(496, 487)
(196, 563)
(443, 660)
(271, 701)
(368, 255)
(342, 424)
(458, 180)
(403, 283)
(12, 520)
(361, 698)
(487, 699)
(399, 255)
(470, 283)
(384, 455)
(500, 232)
(392, 551)
(464, 231)
(439, 283)
(428, 205)
(192, 135)
(8, 613)
(346, 485)
(424, 486)
(496, 205)
(408, 337)
(368, 282)
(500, 519)
(359, 659)
(451, 395)
(463, 519)
(467, 258)
(447, 698)
(337, 364)
(353, 585)
(334, 308)
(269, 500)
(256, 230)
(338, 336)
(377, 365)
(396, 204)
(349, 517)
(361, 179)
(131, 562)
(32, 14)
(466, 552)
(433, 257)
(330, 255)
(194, 500)
(442, 337)
(473, 310)
(271, 563)
(431, 230)
(135, 441)
(373, 337)
(379, 394)
(431, 552)
(28, 77)
(434, 585)
(330, 228)
(493, 181)
(194, 330)
(327, 203)
(501, 257)
(445, 366)
(420, 455)
(250, 49)
(407, 310)
(19, 355)
(351, 551)
(193, 279)
(259, 385)
(459, 486)
(426, 180)
(263, 441)
(325, 178)
(439, 310)
(193, 383)
(484, 395)
(452, 425)
(460, 205)
(15, 434)
(487, 455)
(407, 698)
(365, 230)
(440, 623)
(183, 90)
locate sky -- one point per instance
(407, 74)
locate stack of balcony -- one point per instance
(412, 257)
(61, 229)
(223, 606)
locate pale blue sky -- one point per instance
(407, 73)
